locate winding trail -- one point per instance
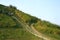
(31, 29)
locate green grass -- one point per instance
(10, 29)
(6, 21)
(51, 30)
(16, 34)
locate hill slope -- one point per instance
(13, 29)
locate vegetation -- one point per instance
(48, 29)
(10, 29)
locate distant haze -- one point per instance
(44, 9)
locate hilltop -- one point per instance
(13, 24)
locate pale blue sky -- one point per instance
(44, 9)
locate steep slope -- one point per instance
(42, 26)
(15, 24)
(10, 29)
(48, 29)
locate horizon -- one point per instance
(46, 10)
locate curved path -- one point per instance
(31, 29)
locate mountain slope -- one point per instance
(18, 25)
(10, 29)
(42, 26)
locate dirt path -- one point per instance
(40, 34)
(32, 29)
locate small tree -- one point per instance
(12, 7)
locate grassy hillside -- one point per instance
(10, 29)
(48, 29)
(44, 27)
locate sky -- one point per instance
(44, 9)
